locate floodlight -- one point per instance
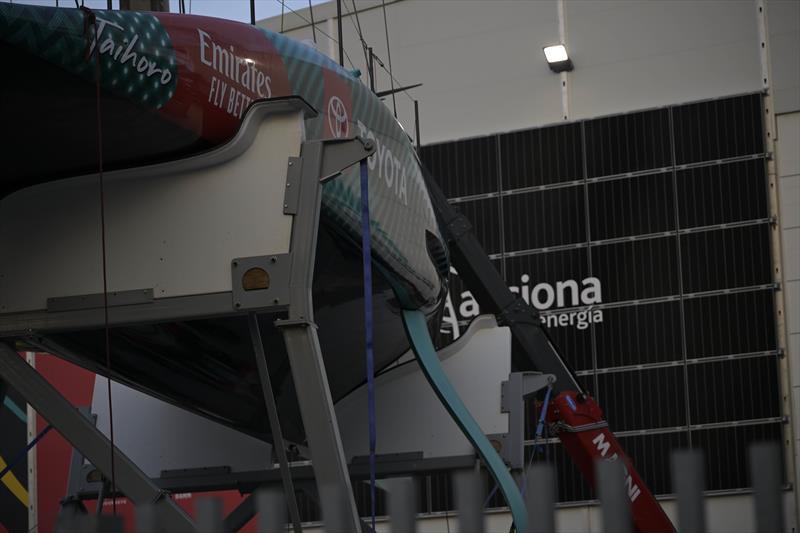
(557, 58)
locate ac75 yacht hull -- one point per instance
(174, 87)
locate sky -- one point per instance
(228, 9)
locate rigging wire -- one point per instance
(357, 25)
(91, 20)
(389, 54)
(304, 19)
(395, 80)
(365, 46)
(313, 27)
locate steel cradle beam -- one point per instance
(85, 437)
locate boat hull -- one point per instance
(167, 93)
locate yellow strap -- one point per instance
(13, 484)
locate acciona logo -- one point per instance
(575, 297)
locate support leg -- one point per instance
(274, 421)
(82, 434)
(322, 430)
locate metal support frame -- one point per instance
(81, 433)
(320, 160)
(532, 347)
(274, 420)
(520, 385)
(72, 504)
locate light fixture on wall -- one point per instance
(557, 58)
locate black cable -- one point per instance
(91, 20)
(389, 54)
(313, 28)
(357, 26)
(340, 34)
(301, 17)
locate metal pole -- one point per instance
(274, 421)
(688, 482)
(540, 498)
(339, 25)
(614, 500)
(253, 12)
(402, 505)
(765, 471)
(371, 68)
(416, 124)
(468, 489)
(271, 510)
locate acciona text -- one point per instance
(549, 298)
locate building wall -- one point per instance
(483, 72)
(783, 28)
(788, 162)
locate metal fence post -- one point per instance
(614, 501)
(271, 509)
(688, 482)
(540, 498)
(209, 515)
(402, 505)
(467, 485)
(765, 471)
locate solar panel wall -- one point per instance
(644, 240)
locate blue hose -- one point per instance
(417, 329)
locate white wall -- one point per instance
(633, 55)
(483, 71)
(783, 20)
(787, 148)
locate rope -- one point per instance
(543, 413)
(89, 21)
(366, 254)
(21, 455)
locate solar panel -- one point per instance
(662, 214)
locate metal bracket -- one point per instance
(518, 312)
(291, 197)
(340, 154)
(260, 282)
(519, 386)
(458, 227)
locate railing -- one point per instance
(687, 467)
